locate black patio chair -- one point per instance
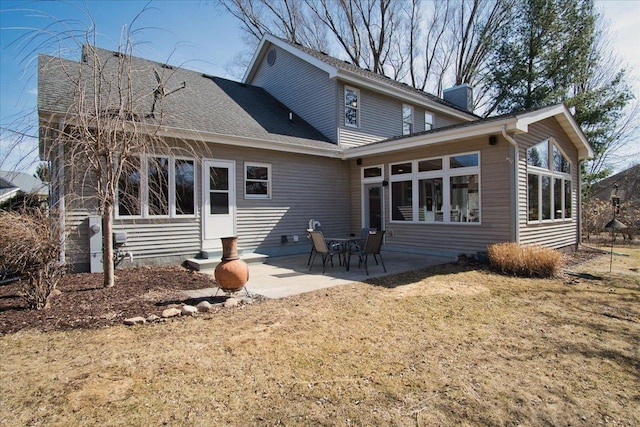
(372, 246)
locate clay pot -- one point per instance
(232, 273)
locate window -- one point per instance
(437, 190)
(407, 119)
(428, 121)
(548, 183)
(130, 189)
(184, 188)
(157, 186)
(372, 172)
(257, 182)
(351, 106)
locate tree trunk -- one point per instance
(107, 247)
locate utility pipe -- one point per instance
(516, 160)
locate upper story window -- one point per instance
(428, 121)
(407, 119)
(549, 184)
(351, 107)
(257, 181)
(152, 186)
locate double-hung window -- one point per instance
(157, 186)
(257, 181)
(428, 121)
(407, 119)
(437, 190)
(549, 183)
(351, 107)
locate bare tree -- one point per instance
(99, 119)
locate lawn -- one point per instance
(444, 346)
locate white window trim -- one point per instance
(357, 107)
(270, 178)
(552, 174)
(144, 188)
(411, 120)
(445, 173)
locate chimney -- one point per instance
(461, 96)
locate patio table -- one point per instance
(345, 243)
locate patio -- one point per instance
(285, 276)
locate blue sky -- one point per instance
(194, 34)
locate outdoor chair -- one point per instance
(320, 247)
(371, 246)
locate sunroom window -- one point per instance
(428, 121)
(549, 185)
(437, 190)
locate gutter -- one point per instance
(516, 160)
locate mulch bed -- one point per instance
(85, 304)
(141, 291)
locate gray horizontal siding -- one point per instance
(349, 137)
(303, 187)
(552, 234)
(149, 239)
(305, 89)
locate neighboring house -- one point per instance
(14, 184)
(305, 135)
(627, 182)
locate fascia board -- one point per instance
(269, 39)
(430, 139)
(360, 81)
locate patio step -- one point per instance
(210, 263)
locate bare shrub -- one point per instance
(524, 261)
(30, 247)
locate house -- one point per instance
(14, 184)
(625, 185)
(307, 136)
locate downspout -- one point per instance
(516, 183)
(579, 212)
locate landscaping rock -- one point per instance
(189, 310)
(170, 312)
(231, 302)
(203, 306)
(246, 300)
(135, 321)
(152, 318)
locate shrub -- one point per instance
(524, 261)
(30, 247)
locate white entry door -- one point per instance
(219, 206)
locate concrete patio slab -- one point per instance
(285, 276)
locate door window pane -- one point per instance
(218, 178)
(219, 203)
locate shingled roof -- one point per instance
(206, 104)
